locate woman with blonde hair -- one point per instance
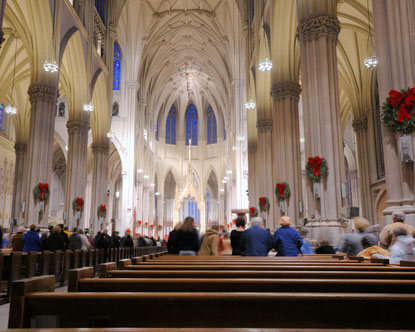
(287, 241)
(188, 238)
(173, 241)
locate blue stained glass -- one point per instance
(100, 6)
(192, 210)
(191, 124)
(211, 129)
(157, 128)
(171, 126)
(1, 115)
(116, 81)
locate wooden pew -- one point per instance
(212, 310)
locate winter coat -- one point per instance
(352, 244)
(173, 243)
(374, 251)
(256, 241)
(31, 241)
(385, 237)
(325, 250)
(287, 241)
(306, 248)
(85, 242)
(115, 241)
(210, 243)
(402, 249)
(56, 242)
(127, 242)
(189, 241)
(17, 242)
(75, 242)
(236, 242)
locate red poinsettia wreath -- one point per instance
(282, 190)
(397, 110)
(139, 222)
(41, 191)
(263, 204)
(316, 168)
(146, 224)
(78, 204)
(102, 211)
(253, 212)
(160, 227)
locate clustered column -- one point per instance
(286, 146)
(319, 28)
(77, 169)
(19, 190)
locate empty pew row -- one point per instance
(34, 298)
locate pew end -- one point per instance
(384, 261)
(76, 274)
(123, 263)
(104, 268)
(136, 260)
(407, 263)
(19, 290)
(357, 258)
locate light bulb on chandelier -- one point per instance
(110, 134)
(235, 148)
(11, 110)
(370, 62)
(249, 105)
(240, 138)
(88, 107)
(50, 66)
(265, 65)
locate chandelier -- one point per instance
(110, 134)
(265, 65)
(10, 109)
(88, 107)
(240, 138)
(235, 148)
(370, 62)
(50, 65)
(249, 105)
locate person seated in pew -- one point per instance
(188, 238)
(403, 246)
(75, 241)
(173, 240)
(236, 235)
(287, 241)
(211, 242)
(386, 236)
(307, 247)
(31, 240)
(352, 242)
(325, 248)
(256, 240)
(371, 250)
(17, 239)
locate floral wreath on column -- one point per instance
(316, 168)
(102, 211)
(78, 204)
(263, 204)
(139, 222)
(398, 110)
(146, 224)
(253, 212)
(160, 227)
(282, 190)
(41, 191)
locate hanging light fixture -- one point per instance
(10, 109)
(249, 105)
(370, 62)
(235, 148)
(50, 65)
(88, 107)
(265, 65)
(240, 138)
(110, 134)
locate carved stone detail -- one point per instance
(60, 166)
(252, 147)
(318, 25)
(100, 148)
(112, 28)
(20, 148)
(264, 125)
(286, 89)
(77, 126)
(360, 125)
(43, 93)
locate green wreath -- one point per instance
(253, 212)
(102, 211)
(398, 111)
(78, 204)
(316, 168)
(282, 190)
(263, 204)
(41, 191)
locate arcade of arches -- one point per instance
(169, 135)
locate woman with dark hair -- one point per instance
(236, 236)
(188, 238)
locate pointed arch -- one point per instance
(212, 136)
(171, 126)
(191, 119)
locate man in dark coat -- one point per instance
(256, 241)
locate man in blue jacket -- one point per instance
(31, 240)
(287, 241)
(256, 241)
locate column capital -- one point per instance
(60, 166)
(77, 126)
(286, 89)
(20, 147)
(39, 92)
(360, 125)
(100, 148)
(264, 125)
(112, 28)
(319, 25)
(252, 147)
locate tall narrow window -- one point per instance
(191, 124)
(1, 115)
(100, 6)
(171, 126)
(211, 126)
(157, 127)
(117, 68)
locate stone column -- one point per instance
(253, 174)
(76, 169)
(100, 152)
(286, 147)
(2, 7)
(38, 166)
(19, 190)
(318, 33)
(362, 147)
(264, 164)
(395, 42)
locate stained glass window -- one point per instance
(191, 124)
(211, 126)
(171, 126)
(117, 68)
(157, 128)
(190, 209)
(1, 115)
(100, 6)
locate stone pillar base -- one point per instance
(327, 229)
